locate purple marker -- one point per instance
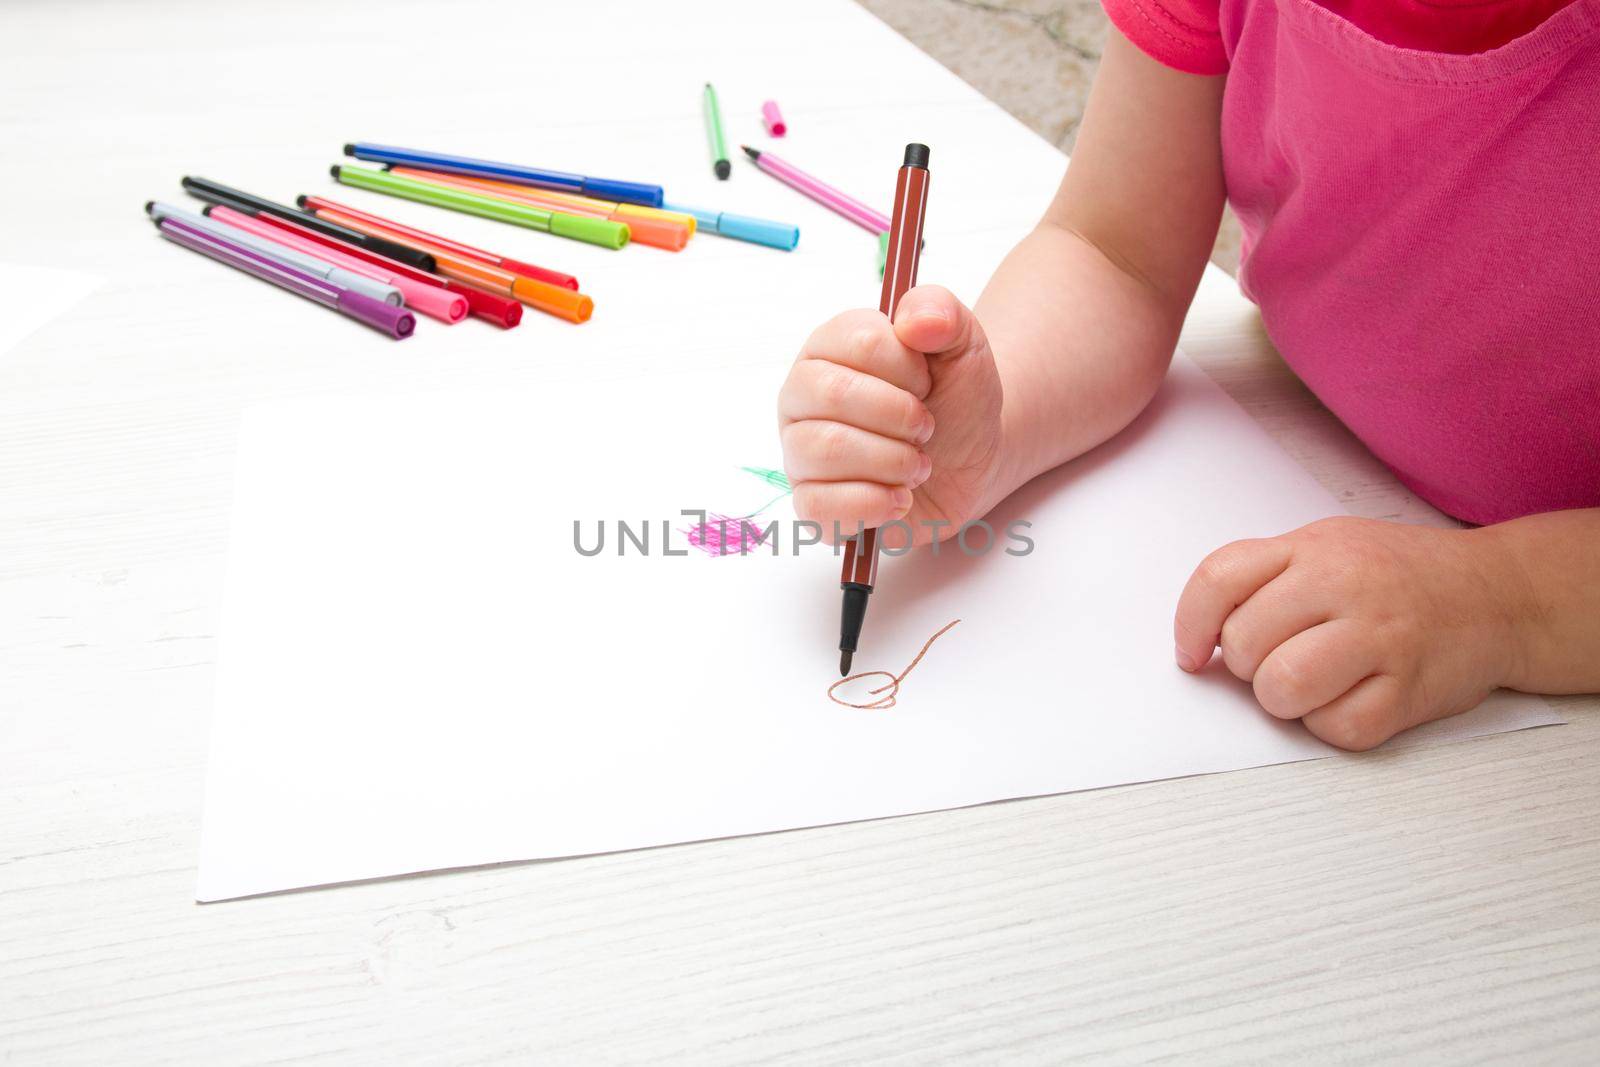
(397, 322)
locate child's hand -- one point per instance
(1358, 628)
(901, 422)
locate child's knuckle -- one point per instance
(862, 344)
(1357, 729)
(837, 387)
(832, 443)
(1215, 569)
(1282, 684)
(806, 501)
(1239, 648)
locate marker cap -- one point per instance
(759, 231)
(503, 311)
(626, 192)
(553, 277)
(658, 233)
(395, 321)
(629, 212)
(553, 299)
(438, 302)
(602, 232)
(772, 119)
(362, 284)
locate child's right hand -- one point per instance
(901, 422)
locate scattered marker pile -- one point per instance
(383, 273)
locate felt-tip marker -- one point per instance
(583, 184)
(718, 143)
(250, 204)
(900, 274)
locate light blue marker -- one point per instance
(741, 227)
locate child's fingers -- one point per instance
(849, 506)
(817, 450)
(1315, 667)
(1224, 580)
(1364, 717)
(1269, 617)
(863, 340)
(818, 389)
(930, 319)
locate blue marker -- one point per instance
(741, 227)
(599, 188)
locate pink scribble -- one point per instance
(725, 535)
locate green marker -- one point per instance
(602, 232)
(719, 146)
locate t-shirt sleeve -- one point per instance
(1181, 34)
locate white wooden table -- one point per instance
(1438, 904)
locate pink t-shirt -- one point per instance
(1421, 225)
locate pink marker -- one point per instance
(772, 118)
(431, 300)
(823, 193)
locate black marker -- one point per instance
(250, 204)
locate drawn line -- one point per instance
(770, 476)
(884, 703)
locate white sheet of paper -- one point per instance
(419, 670)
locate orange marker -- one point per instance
(551, 299)
(646, 229)
(625, 213)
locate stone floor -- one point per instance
(1035, 58)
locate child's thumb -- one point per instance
(930, 319)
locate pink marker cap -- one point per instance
(772, 119)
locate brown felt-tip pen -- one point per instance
(899, 275)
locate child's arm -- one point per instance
(1074, 331)
(1084, 314)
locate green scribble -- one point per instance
(771, 477)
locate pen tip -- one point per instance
(206, 211)
(334, 170)
(751, 152)
(300, 201)
(349, 149)
(844, 662)
(149, 207)
(723, 169)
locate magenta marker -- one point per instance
(874, 222)
(395, 321)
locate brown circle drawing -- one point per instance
(890, 691)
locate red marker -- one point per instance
(515, 266)
(899, 274)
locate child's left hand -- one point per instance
(1358, 628)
